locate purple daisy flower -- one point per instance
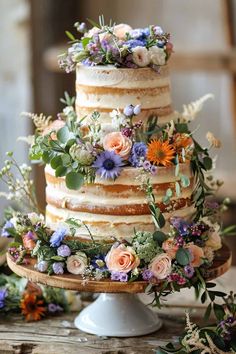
(108, 164)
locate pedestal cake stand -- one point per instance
(117, 312)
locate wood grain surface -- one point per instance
(221, 264)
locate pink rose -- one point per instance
(197, 255)
(121, 30)
(170, 248)
(214, 241)
(122, 259)
(118, 143)
(161, 266)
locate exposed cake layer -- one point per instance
(110, 207)
(104, 88)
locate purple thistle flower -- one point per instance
(58, 267)
(138, 153)
(8, 225)
(3, 295)
(147, 274)
(57, 237)
(129, 110)
(108, 164)
(64, 251)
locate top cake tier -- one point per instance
(105, 88)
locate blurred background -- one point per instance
(32, 34)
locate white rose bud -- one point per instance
(157, 55)
(77, 263)
(141, 56)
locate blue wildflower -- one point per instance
(58, 267)
(182, 226)
(138, 154)
(147, 274)
(64, 251)
(133, 43)
(8, 225)
(3, 295)
(98, 262)
(108, 164)
(128, 110)
(189, 271)
(42, 266)
(57, 237)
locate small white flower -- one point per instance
(141, 56)
(157, 55)
(118, 119)
(35, 218)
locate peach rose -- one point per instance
(197, 255)
(170, 248)
(54, 127)
(121, 30)
(122, 259)
(118, 143)
(161, 266)
(29, 240)
(214, 241)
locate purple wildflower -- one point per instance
(158, 30)
(127, 132)
(58, 267)
(181, 225)
(53, 308)
(189, 271)
(108, 164)
(181, 280)
(64, 251)
(179, 241)
(98, 262)
(133, 43)
(57, 237)
(146, 165)
(42, 266)
(8, 225)
(3, 295)
(115, 276)
(147, 274)
(211, 204)
(129, 110)
(123, 277)
(138, 153)
(153, 170)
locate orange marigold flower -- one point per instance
(183, 141)
(160, 152)
(31, 307)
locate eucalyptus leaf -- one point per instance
(183, 256)
(60, 171)
(74, 180)
(56, 161)
(177, 189)
(63, 134)
(207, 162)
(159, 237)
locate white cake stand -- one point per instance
(117, 312)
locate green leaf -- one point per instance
(177, 189)
(219, 312)
(65, 159)
(177, 170)
(185, 181)
(74, 180)
(60, 171)
(208, 312)
(58, 258)
(169, 193)
(63, 134)
(159, 237)
(203, 297)
(47, 155)
(70, 36)
(161, 220)
(207, 162)
(183, 256)
(56, 161)
(85, 41)
(210, 285)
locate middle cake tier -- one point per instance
(116, 208)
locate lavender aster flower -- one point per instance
(147, 274)
(123, 277)
(132, 43)
(146, 165)
(42, 266)
(188, 271)
(108, 164)
(3, 295)
(58, 267)
(52, 308)
(57, 237)
(138, 153)
(153, 170)
(8, 225)
(64, 251)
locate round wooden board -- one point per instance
(221, 264)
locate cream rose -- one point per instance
(122, 259)
(121, 30)
(141, 56)
(118, 143)
(77, 263)
(157, 55)
(161, 266)
(214, 241)
(170, 248)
